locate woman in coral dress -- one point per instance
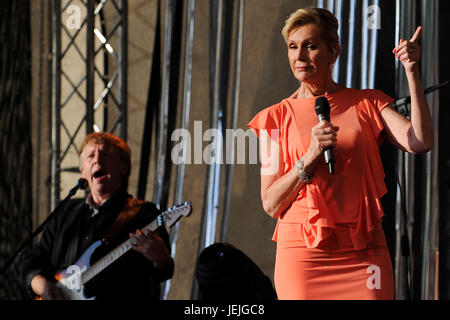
(330, 243)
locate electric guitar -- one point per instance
(72, 279)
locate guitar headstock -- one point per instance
(173, 214)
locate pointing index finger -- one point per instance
(417, 34)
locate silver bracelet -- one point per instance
(301, 173)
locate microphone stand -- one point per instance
(400, 104)
(82, 183)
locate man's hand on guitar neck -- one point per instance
(151, 246)
(47, 290)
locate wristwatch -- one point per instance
(302, 175)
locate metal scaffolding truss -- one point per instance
(89, 79)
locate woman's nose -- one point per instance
(301, 55)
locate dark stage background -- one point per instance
(15, 138)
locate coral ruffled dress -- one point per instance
(330, 243)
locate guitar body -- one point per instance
(72, 279)
(69, 280)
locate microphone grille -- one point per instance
(322, 106)
(82, 183)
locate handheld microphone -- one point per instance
(322, 109)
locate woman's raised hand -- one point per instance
(408, 52)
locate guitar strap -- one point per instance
(130, 210)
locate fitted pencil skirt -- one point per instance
(333, 272)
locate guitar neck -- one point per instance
(115, 254)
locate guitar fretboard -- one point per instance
(115, 254)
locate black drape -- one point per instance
(15, 139)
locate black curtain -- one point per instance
(15, 139)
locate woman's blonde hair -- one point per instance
(323, 18)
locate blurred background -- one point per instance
(144, 68)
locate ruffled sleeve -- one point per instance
(380, 99)
(268, 121)
(267, 126)
(375, 101)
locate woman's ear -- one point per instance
(335, 52)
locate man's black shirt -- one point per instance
(78, 226)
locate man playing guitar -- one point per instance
(109, 214)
